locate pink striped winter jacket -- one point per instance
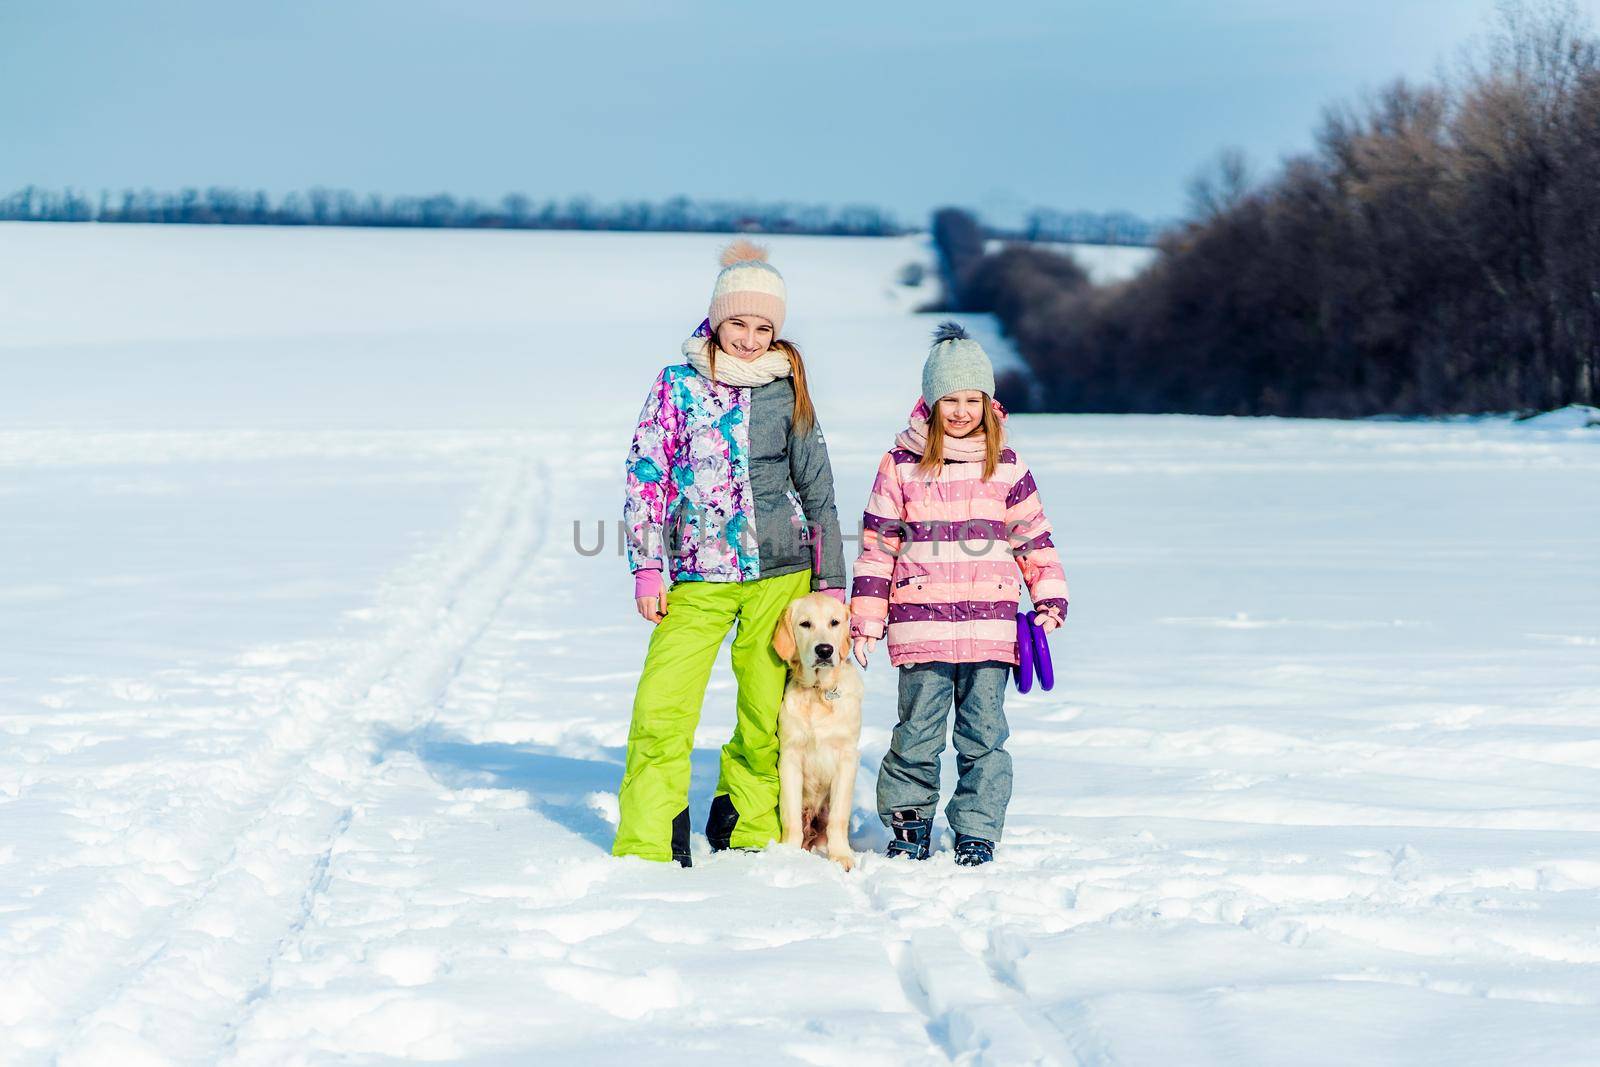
(941, 555)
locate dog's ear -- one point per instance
(783, 636)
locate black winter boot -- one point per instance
(720, 823)
(972, 851)
(680, 839)
(913, 836)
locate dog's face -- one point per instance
(813, 637)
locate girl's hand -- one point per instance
(652, 609)
(1048, 621)
(862, 647)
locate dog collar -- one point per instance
(831, 694)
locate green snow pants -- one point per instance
(666, 709)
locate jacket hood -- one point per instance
(914, 438)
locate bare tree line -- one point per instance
(1085, 227)
(340, 207)
(1438, 251)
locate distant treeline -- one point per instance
(1084, 227)
(1438, 252)
(338, 207)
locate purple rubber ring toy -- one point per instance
(1041, 654)
(1025, 647)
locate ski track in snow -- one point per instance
(315, 719)
(178, 983)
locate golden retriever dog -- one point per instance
(819, 726)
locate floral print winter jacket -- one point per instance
(721, 488)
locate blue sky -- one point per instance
(998, 106)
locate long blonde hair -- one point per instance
(805, 415)
(933, 456)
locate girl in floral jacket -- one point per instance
(952, 523)
(728, 485)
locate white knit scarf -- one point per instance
(731, 370)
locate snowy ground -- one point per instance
(312, 715)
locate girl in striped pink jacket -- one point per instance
(953, 521)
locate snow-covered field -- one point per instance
(312, 716)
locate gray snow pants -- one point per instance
(909, 776)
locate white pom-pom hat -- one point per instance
(748, 285)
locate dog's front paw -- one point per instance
(791, 842)
(847, 860)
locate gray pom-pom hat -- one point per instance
(955, 362)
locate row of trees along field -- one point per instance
(338, 207)
(1438, 252)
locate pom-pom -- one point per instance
(949, 331)
(742, 251)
